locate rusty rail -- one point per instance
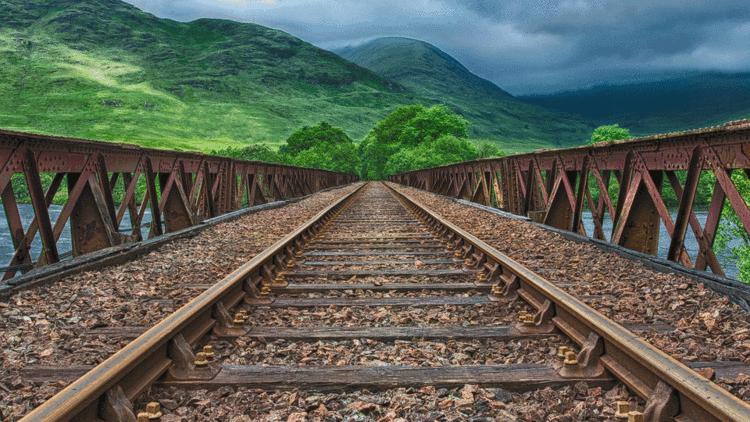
(554, 187)
(107, 390)
(182, 189)
(672, 390)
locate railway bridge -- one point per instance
(196, 287)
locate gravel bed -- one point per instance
(469, 403)
(378, 353)
(495, 314)
(707, 326)
(44, 325)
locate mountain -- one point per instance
(673, 103)
(103, 69)
(492, 112)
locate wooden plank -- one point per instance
(130, 332)
(377, 241)
(506, 333)
(388, 247)
(370, 253)
(371, 376)
(519, 378)
(385, 287)
(385, 301)
(367, 273)
(381, 262)
(294, 288)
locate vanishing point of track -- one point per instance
(347, 257)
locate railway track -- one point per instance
(379, 294)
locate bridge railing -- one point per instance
(556, 187)
(99, 183)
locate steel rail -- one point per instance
(146, 358)
(670, 387)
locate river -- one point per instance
(64, 244)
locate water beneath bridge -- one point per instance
(64, 243)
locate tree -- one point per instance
(310, 136)
(256, 152)
(404, 140)
(487, 149)
(731, 236)
(322, 146)
(609, 133)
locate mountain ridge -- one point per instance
(495, 113)
(670, 103)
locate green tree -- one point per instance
(731, 236)
(256, 152)
(406, 138)
(487, 149)
(311, 136)
(609, 133)
(322, 146)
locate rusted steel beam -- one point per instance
(555, 186)
(181, 189)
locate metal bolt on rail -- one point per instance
(522, 316)
(570, 359)
(208, 351)
(201, 359)
(635, 417)
(561, 351)
(623, 408)
(238, 319)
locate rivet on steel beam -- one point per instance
(623, 408)
(561, 351)
(635, 417)
(153, 410)
(238, 319)
(208, 350)
(571, 359)
(201, 359)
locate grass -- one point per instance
(105, 70)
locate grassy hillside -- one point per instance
(491, 112)
(677, 103)
(103, 69)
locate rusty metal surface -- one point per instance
(605, 345)
(182, 189)
(554, 187)
(145, 359)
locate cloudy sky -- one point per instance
(526, 46)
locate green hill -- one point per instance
(674, 103)
(103, 69)
(492, 112)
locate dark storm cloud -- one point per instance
(523, 46)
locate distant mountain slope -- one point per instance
(493, 113)
(677, 103)
(103, 69)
